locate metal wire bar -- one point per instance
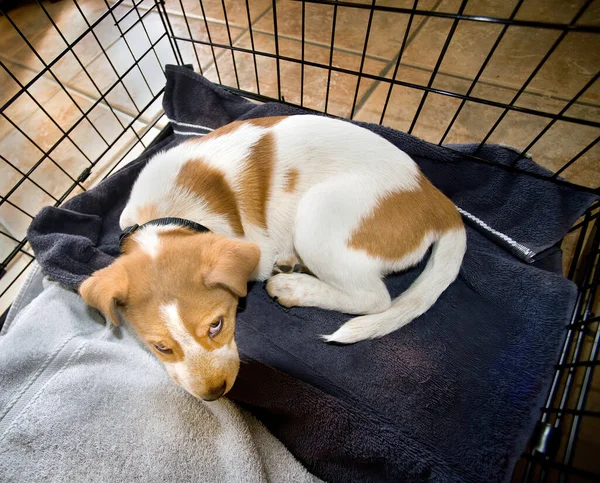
(24, 175)
(16, 278)
(478, 100)
(574, 471)
(579, 245)
(277, 56)
(90, 78)
(12, 238)
(398, 60)
(534, 73)
(210, 42)
(581, 400)
(437, 67)
(481, 70)
(23, 133)
(580, 412)
(164, 18)
(135, 63)
(584, 314)
(333, 22)
(576, 157)
(252, 45)
(58, 57)
(187, 24)
(41, 60)
(562, 111)
(301, 55)
(49, 17)
(74, 185)
(57, 143)
(570, 365)
(4, 199)
(150, 126)
(472, 18)
(568, 343)
(362, 59)
(237, 80)
(141, 21)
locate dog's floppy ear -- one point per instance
(106, 289)
(230, 264)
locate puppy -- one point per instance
(301, 194)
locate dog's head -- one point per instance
(179, 289)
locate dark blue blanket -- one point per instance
(451, 397)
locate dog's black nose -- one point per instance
(215, 393)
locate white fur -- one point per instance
(149, 240)
(178, 330)
(343, 171)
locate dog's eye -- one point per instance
(163, 349)
(215, 327)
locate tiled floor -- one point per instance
(119, 57)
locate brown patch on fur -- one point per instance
(146, 213)
(291, 180)
(210, 184)
(255, 181)
(264, 122)
(401, 220)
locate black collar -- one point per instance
(182, 222)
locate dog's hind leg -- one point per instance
(300, 289)
(346, 280)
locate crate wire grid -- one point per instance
(555, 447)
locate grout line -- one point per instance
(72, 90)
(324, 46)
(392, 62)
(238, 38)
(196, 16)
(233, 41)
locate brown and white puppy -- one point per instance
(308, 191)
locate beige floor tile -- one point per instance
(385, 39)
(10, 39)
(49, 44)
(591, 15)
(15, 147)
(14, 220)
(476, 120)
(23, 106)
(572, 65)
(559, 11)
(236, 10)
(342, 86)
(133, 93)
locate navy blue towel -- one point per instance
(454, 395)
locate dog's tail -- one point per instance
(441, 270)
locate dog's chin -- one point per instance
(207, 397)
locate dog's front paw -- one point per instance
(287, 289)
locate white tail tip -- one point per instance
(355, 330)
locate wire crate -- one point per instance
(82, 83)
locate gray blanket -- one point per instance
(82, 400)
(453, 396)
